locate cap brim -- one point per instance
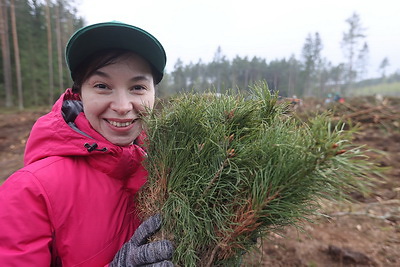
(114, 35)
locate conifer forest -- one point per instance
(319, 126)
(33, 70)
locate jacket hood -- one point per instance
(65, 131)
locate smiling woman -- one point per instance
(115, 96)
(83, 160)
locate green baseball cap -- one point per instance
(114, 35)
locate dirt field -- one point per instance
(364, 233)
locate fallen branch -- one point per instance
(387, 216)
(365, 111)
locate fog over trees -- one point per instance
(33, 71)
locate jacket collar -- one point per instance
(65, 131)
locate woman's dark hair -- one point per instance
(99, 60)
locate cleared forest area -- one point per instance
(365, 232)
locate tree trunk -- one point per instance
(16, 57)
(5, 50)
(233, 80)
(33, 59)
(32, 82)
(68, 30)
(276, 82)
(59, 49)
(290, 91)
(246, 79)
(50, 53)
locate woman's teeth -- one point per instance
(120, 124)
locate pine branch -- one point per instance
(228, 169)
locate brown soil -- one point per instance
(363, 233)
(14, 131)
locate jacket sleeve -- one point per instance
(25, 228)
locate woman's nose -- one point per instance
(122, 104)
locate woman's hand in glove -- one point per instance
(138, 252)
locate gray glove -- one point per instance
(138, 252)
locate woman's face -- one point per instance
(116, 96)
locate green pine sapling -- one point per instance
(227, 169)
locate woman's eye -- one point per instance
(101, 86)
(138, 87)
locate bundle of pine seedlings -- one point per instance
(227, 169)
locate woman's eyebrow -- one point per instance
(100, 73)
(134, 79)
(141, 78)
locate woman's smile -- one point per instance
(120, 123)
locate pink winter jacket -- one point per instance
(72, 204)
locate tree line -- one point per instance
(33, 71)
(310, 75)
(33, 37)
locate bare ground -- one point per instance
(363, 233)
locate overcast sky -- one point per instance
(191, 29)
